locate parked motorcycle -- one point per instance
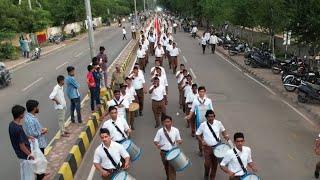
(36, 53)
(56, 38)
(235, 49)
(259, 58)
(308, 92)
(292, 81)
(5, 76)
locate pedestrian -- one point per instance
(117, 126)
(165, 140)
(181, 85)
(34, 129)
(22, 46)
(152, 40)
(20, 143)
(117, 78)
(175, 25)
(92, 87)
(73, 94)
(203, 43)
(108, 155)
(159, 52)
(145, 45)
(213, 41)
(27, 47)
(162, 78)
(131, 93)
(317, 152)
(141, 56)
(199, 108)
(194, 31)
(180, 76)
(97, 78)
(174, 53)
(209, 135)
(124, 32)
(207, 36)
(138, 82)
(237, 160)
(57, 96)
(189, 99)
(133, 31)
(169, 48)
(159, 100)
(157, 65)
(186, 89)
(120, 103)
(103, 63)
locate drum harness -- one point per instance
(213, 133)
(168, 137)
(240, 161)
(117, 166)
(118, 129)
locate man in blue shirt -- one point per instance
(73, 94)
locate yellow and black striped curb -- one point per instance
(78, 150)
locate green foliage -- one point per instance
(7, 51)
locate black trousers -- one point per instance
(203, 48)
(124, 37)
(213, 48)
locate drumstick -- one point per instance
(230, 143)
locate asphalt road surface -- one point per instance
(280, 135)
(36, 81)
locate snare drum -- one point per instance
(250, 176)
(133, 107)
(221, 150)
(133, 150)
(177, 159)
(122, 175)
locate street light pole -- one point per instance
(29, 2)
(90, 27)
(144, 5)
(135, 11)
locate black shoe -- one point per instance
(140, 114)
(316, 174)
(73, 121)
(156, 126)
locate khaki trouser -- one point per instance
(142, 63)
(234, 178)
(318, 166)
(160, 60)
(210, 162)
(170, 171)
(140, 95)
(158, 107)
(174, 63)
(61, 119)
(192, 121)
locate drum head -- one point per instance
(133, 107)
(220, 150)
(122, 175)
(172, 154)
(126, 144)
(250, 177)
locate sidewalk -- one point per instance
(270, 79)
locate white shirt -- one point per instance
(133, 28)
(159, 52)
(138, 81)
(213, 39)
(203, 41)
(163, 71)
(124, 31)
(207, 36)
(131, 92)
(180, 76)
(158, 93)
(194, 29)
(58, 94)
(141, 53)
(170, 29)
(116, 151)
(205, 101)
(114, 133)
(152, 38)
(169, 47)
(190, 98)
(174, 52)
(187, 89)
(230, 160)
(204, 130)
(161, 138)
(174, 25)
(162, 80)
(124, 103)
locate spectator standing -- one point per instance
(73, 94)
(124, 32)
(118, 78)
(34, 129)
(92, 87)
(57, 96)
(103, 60)
(97, 78)
(133, 31)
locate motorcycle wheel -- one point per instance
(231, 53)
(247, 61)
(275, 69)
(289, 81)
(302, 98)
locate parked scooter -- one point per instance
(36, 53)
(5, 76)
(308, 92)
(292, 81)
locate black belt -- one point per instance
(165, 151)
(157, 101)
(139, 89)
(110, 170)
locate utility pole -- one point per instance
(135, 11)
(29, 2)
(90, 28)
(144, 5)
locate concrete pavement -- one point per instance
(36, 79)
(280, 135)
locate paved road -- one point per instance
(36, 80)
(280, 138)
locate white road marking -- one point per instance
(300, 113)
(193, 74)
(79, 54)
(185, 59)
(33, 83)
(258, 82)
(58, 67)
(229, 61)
(90, 176)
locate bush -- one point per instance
(8, 51)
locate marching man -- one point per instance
(159, 52)
(159, 100)
(167, 138)
(120, 103)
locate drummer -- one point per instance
(138, 82)
(232, 165)
(199, 107)
(189, 99)
(117, 126)
(167, 138)
(209, 135)
(129, 97)
(122, 104)
(104, 165)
